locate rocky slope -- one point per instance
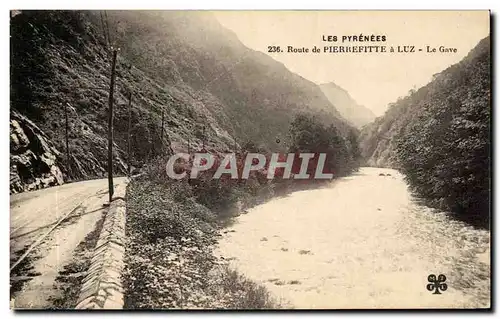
(183, 65)
(32, 157)
(356, 114)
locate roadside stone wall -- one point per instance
(102, 287)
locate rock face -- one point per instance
(33, 160)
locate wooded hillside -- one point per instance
(439, 137)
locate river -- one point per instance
(361, 242)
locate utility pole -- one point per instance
(162, 125)
(152, 141)
(203, 137)
(66, 135)
(106, 38)
(128, 132)
(110, 125)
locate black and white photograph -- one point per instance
(250, 159)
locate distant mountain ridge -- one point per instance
(356, 114)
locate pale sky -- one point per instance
(372, 79)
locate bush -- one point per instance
(234, 291)
(170, 239)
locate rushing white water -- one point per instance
(360, 243)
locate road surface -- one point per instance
(361, 242)
(34, 214)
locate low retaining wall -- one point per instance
(102, 287)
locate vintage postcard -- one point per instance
(214, 160)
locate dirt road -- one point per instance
(362, 242)
(34, 214)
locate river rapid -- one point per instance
(361, 242)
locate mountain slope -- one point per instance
(255, 91)
(357, 115)
(439, 137)
(184, 65)
(378, 139)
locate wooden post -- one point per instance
(152, 141)
(203, 137)
(66, 135)
(110, 126)
(107, 28)
(129, 157)
(162, 125)
(104, 30)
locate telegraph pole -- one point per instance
(110, 125)
(162, 125)
(67, 133)
(203, 137)
(128, 131)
